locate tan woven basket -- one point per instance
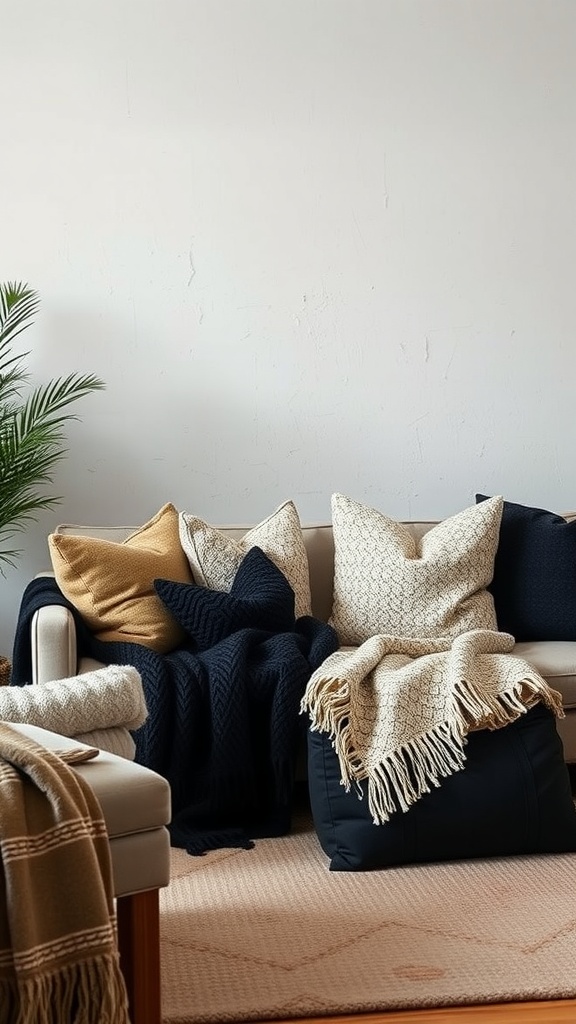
(5, 669)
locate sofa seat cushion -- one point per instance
(556, 661)
(112, 778)
(136, 806)
(513, 797)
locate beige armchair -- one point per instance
(136, 807)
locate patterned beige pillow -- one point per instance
(215, 558)
(386, 581)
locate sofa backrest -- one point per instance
(318, 540)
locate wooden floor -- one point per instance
(561, 1011)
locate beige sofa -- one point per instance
(54, 643)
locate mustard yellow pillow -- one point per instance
(112, 585)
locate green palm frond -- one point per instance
(46, 401)
(18, 304)
(32, 428)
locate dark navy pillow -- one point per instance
(513, 797)
(260, 598)
(534, 585)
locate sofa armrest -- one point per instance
(53, 643)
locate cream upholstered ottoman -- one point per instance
(135, 804)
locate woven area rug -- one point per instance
(248, 935)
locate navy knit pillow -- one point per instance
(260, 598)
(513, 797)
(534, 584)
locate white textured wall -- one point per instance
(311, 245)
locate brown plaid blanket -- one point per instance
(58, 955)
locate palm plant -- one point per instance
(32, 422)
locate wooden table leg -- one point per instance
(138, 917)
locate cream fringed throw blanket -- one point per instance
(398, 710)
(58, 958)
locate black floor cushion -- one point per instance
(513, 796)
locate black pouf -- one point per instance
(513, 797)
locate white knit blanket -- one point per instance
(398, 710)
(106, 698)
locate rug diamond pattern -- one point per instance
(261, 930)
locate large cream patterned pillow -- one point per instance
(386, 581)
(214, 557)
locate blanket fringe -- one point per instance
(326, 700)
(405, 775)
(402, 776)
(92, 991)
(205, 840)
(478, 710)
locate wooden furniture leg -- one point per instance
(138, 917)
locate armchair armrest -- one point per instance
(46, 651)
(53, 643)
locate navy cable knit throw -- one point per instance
(223, 724)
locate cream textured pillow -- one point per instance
(112, 585)
(386, 581)
(215, 558)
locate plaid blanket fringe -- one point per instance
(58, 953)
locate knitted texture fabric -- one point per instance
(387, 581)
(115, 740)
(223, 723)
(260, 597)
(106, 698)
(215, 557)
(398, 710)
(58, 955)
